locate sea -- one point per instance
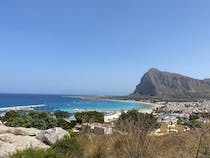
(67, 103)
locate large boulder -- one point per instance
(20, 138)
(19, 131)
(50, 136)
(10, 143)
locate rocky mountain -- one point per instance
(166, 84)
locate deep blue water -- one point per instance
(70, 104)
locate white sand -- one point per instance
(112, 117)
(115, 116)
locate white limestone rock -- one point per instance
(50, 136)
(10, 143)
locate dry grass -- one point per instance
(141, 144)
(95, 146)
(136, 140)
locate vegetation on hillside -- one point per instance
(139, 119)
(89, 116)
(61, 114)
(37, 119)
(65, 148)
(133, 138)
(195, 120)
(10, 115)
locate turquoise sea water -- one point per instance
(66, 103)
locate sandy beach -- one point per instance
(115, 116)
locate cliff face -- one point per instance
(166, 84)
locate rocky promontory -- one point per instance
(165, 84)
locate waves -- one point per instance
(25, 107)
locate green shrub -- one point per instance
(64, 124)
(141, 119)
(72, 133)
(65, 148)
(194, 116)
(37, 119)
(69, 146)
(36, 153)
(61, 114)
(89, 116)
(10, 115)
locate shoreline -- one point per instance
(150, 108)
(24, 107)
(114, 115)
(110, 116)
(107, 99)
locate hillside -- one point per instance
(165, 84)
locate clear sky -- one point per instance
(99, 46)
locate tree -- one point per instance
(10, 115)
(89, 116)
(147, 120)
(64, 124)
(61, 114)
(68, 146)
(135, 137)
(37, 119)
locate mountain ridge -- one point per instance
(166, 84)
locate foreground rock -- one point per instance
(50, 136)
(19, 131)
(10, 143)
(13, 139)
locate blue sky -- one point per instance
(99, 47)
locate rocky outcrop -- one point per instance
(50, 136)
(166, 84)
(13, 139)
(10, 143)
(19, 131)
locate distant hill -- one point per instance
(165, 84)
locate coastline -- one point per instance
(107, 99)
(25, 107)
(114, 115)
(110, 115)
(151, 105)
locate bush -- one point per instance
(36, 153)
(10, 115)
(193, 116)
(61, 114)
(141, 119)
(65, 148)
(89, 116)
(96, 146)
(72, 133)
(64, 124)
(37, 119)
(68, 146)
